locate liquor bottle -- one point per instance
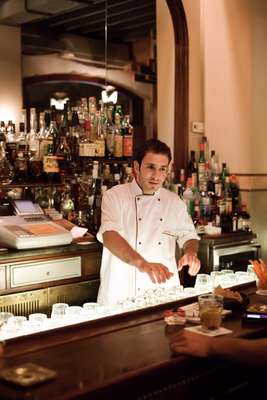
(127, 174)
(116, 174)
(53, 130)
(51, 167)
(127, 137)
(21, 140)
(97, 205)
(2, 132)
(33, 142)
(205, 143)
(118, 138)
(201, 166)
(188, 197)
(192, 168)
(35, 163)
(246, 224)
(227, 195)
(67, 206)
(213, 161)
(217, 181)
(109, 129)
(181, 184)
(226, 222)
(93, 118)
(24, 120)
(11, 144)
(100, 141)
(107, 176)
(44, 135)
(63, 155)
(69, 111)
(74, 136)
(224, 174)
(234, 193)
(64, 127)
(6, 169)
(21, 168)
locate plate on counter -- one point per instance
(262, 292)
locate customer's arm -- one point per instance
(242, 350)
(118, 246)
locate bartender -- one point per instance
(140, 225)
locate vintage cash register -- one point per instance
(29, 228)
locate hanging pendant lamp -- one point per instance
(109, 94)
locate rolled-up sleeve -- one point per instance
(185, 227)
(111, 216)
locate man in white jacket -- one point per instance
(140, 224)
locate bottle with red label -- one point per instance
(127, 137)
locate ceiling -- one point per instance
(127, 20)
(76, 28)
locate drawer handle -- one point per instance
(48, 273)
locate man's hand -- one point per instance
(157, 272)
(192, 344)
(192, 261)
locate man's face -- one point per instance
(152, 172)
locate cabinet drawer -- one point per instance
(38, 272)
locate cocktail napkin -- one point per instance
(216, 332)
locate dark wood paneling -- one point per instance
(181, 84)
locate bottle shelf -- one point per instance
(30, 185)
(105, 160)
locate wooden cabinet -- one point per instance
(32, 280)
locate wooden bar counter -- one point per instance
(126, 356)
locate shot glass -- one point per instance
(91, 310)
(38, 319)
(15, 323)
(228, 278)
(215, 277)
(242, 277)
(59, 310)
(73, 312)
(203, 283)
(210, 311)
(4, 316)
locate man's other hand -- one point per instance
(192, 261)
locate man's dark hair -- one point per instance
(152, 146)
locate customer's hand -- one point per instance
(191, 260)
(192, 344)
(157, 272)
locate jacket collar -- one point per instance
(136, 190)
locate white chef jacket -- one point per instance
(151, 224)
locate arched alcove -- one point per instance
(37, 91)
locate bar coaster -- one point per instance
(216, 332)
(27, 374)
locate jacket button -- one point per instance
(139, 242)
(161, 219)
(139, 219)
(137, 198)
(158, 199)
(159, 242)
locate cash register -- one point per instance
(29, 228)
